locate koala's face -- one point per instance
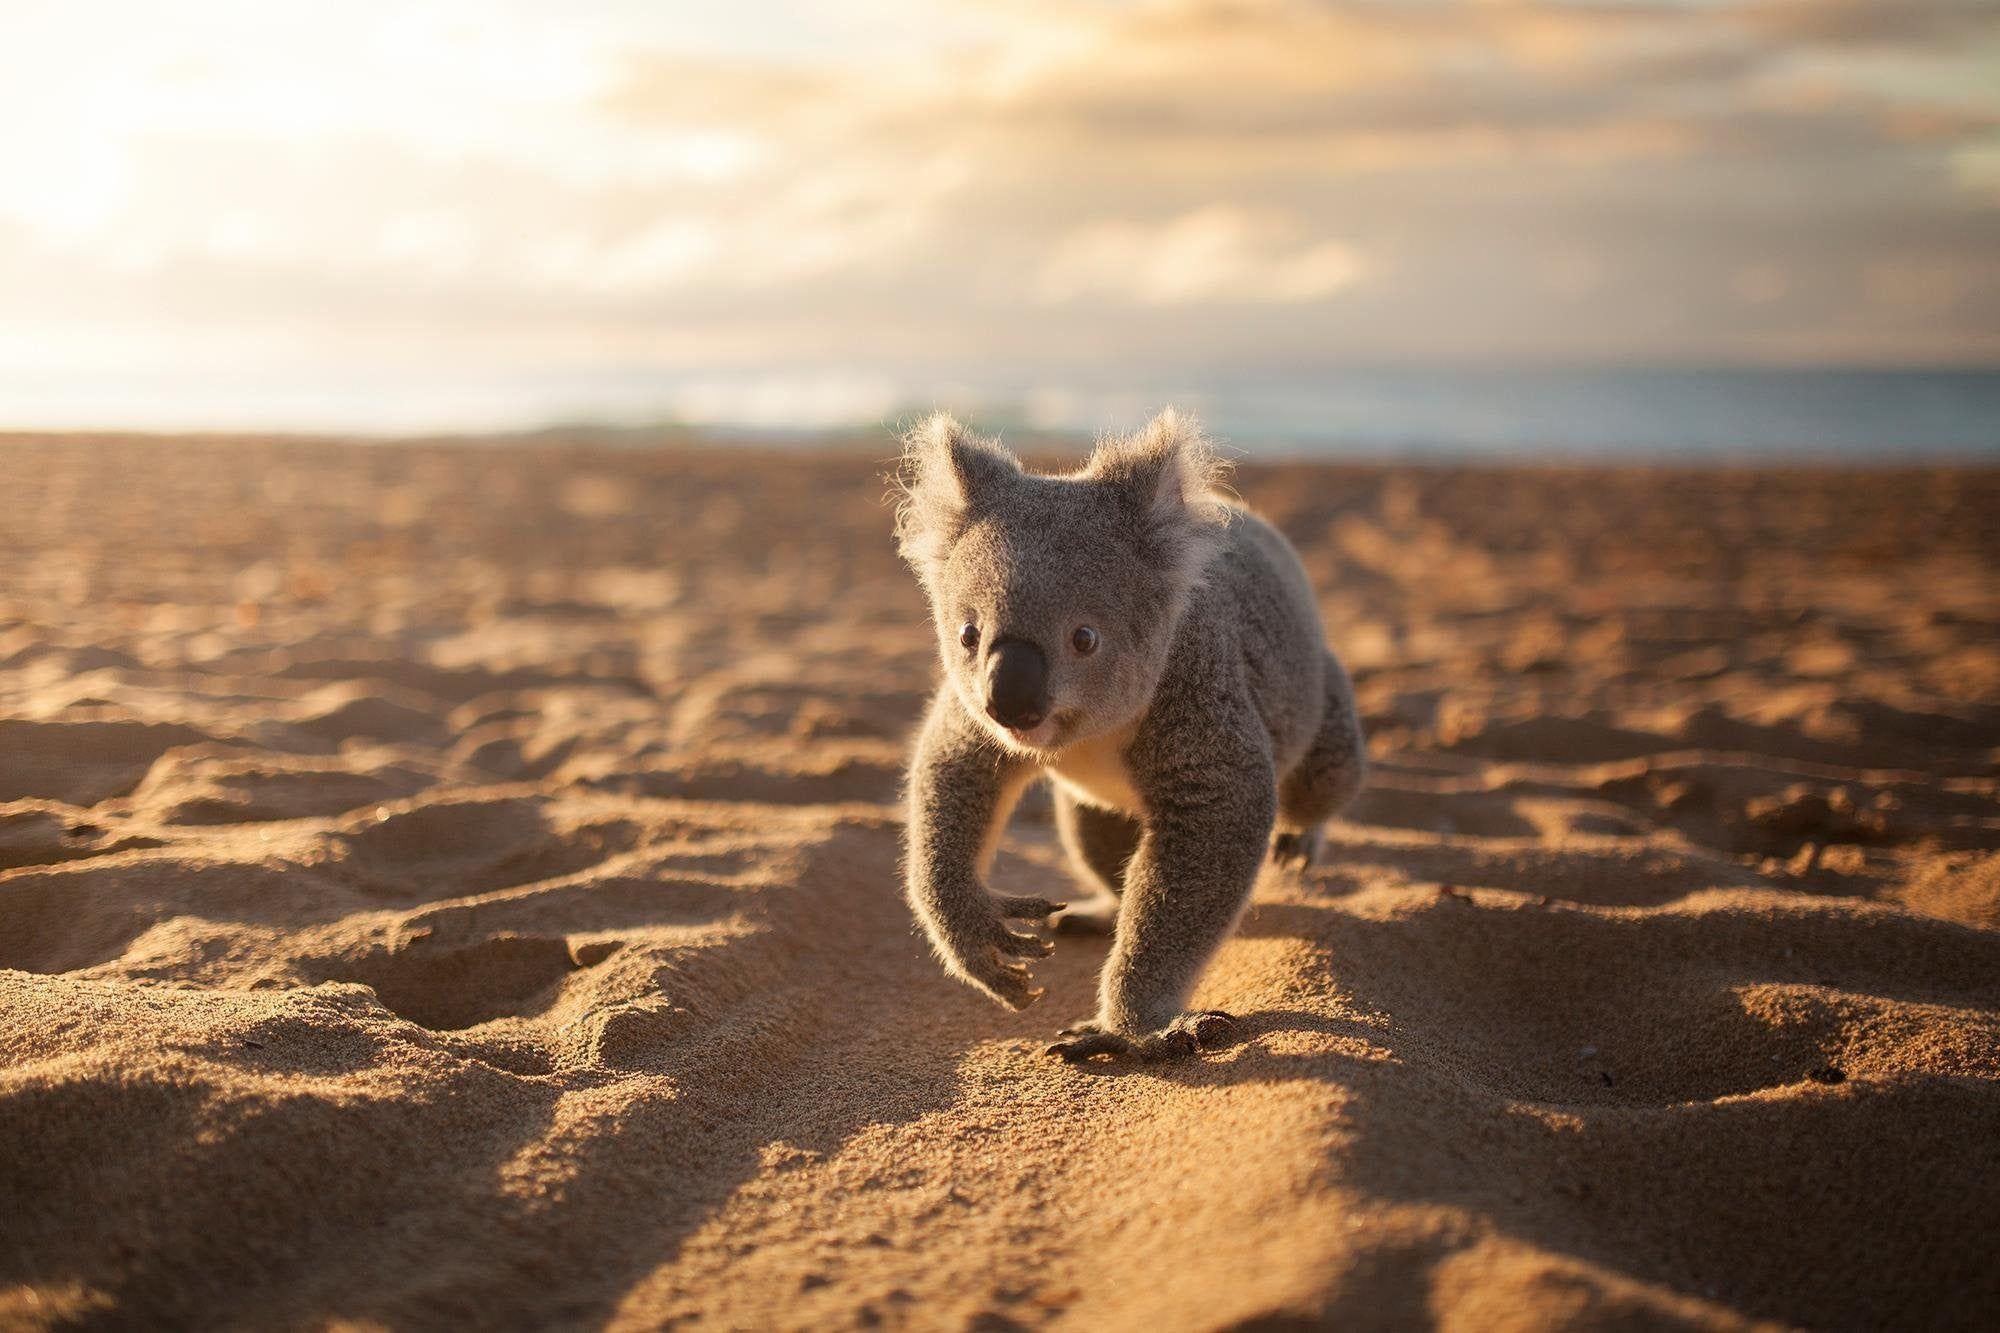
(1055, 598)
(1050, 624)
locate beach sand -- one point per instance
(456, 884)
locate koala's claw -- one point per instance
(1020, 908)
(1187, 1035)
(990, 959)
(1024, 946)
(1009, 983)
(1084, 1045)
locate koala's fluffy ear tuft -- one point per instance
(1167, 475)
(947, 474)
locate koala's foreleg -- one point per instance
(1210, 810)
(961, 790)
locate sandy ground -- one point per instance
(452, 885)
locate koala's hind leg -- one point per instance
(1100, 845)
(1326, 779)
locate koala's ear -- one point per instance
(1166, 475)
(947, 474)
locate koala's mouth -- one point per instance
(1046, 734)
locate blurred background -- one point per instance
(1659, 227)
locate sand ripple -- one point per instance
(428, 898)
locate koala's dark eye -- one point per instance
(968, 635)
(1084, 640)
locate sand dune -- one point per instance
(457, 885)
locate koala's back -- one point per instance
(1255, 618)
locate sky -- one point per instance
(469, 212)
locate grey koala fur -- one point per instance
(1206, 715)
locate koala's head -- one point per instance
(1056, 597)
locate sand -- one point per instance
(456, 885)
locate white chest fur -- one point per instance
(1094, 772)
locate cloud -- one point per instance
(1886, 23)
(1213, 256)
(1020, 183)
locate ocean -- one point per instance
(1844, 415)
(1852, 416)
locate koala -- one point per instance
(1155, 652)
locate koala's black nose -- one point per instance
(1017, 683)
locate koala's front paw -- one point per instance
(1209, 1030)
(989, 956)
(1298, 851)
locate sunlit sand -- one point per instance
(459, 885)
